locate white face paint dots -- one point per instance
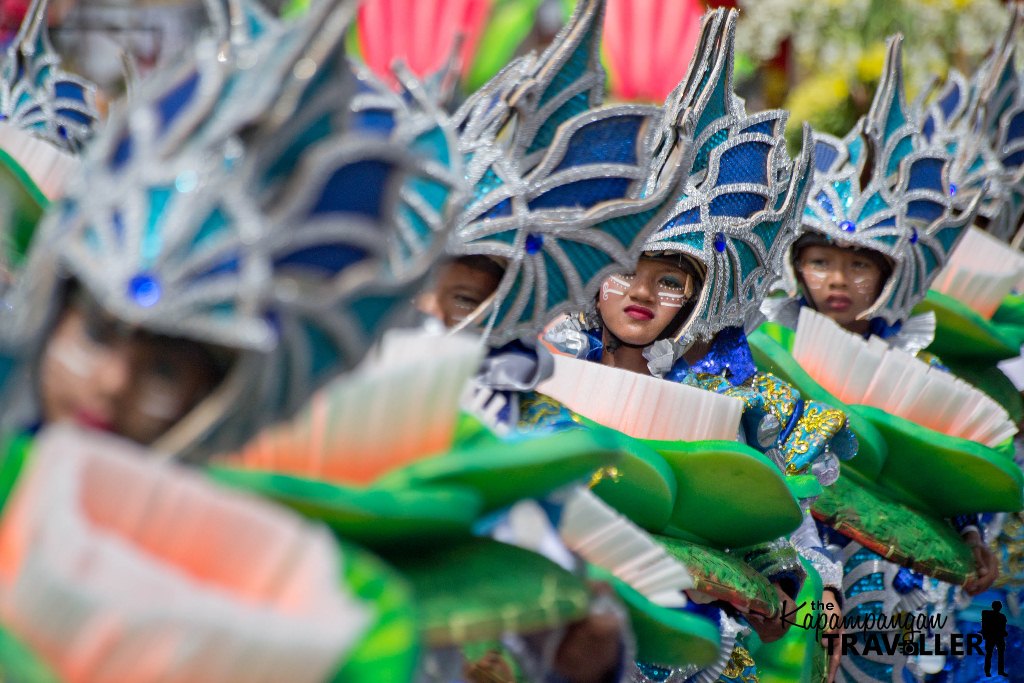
(638, 307)
(672, 290)
(75, 355)
(615, 284)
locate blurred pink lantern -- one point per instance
(420, 33)
(648, 44)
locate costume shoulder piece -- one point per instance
(882, 187)
(737, 210)
(784, 310)
(916, 334)
(557, 185)
(238, 202)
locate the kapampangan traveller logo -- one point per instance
(903, 633)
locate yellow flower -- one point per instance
(821, 101)
(838, 87)
(816, 95)
(869, 66)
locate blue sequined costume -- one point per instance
(737, 237)
(903, 207)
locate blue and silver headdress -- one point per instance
(238, 202)
(1002, 121)
(235, 24)
(951, 123)
(38, 96)
(557, 182)
(883, 188)
(737, 212)
(46, 116)
(414, 118)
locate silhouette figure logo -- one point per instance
(993, 630)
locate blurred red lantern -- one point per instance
(648, 44)
(420, 33)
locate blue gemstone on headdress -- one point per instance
(534, 242)
(848, 226)
(720, 242)
(913, 235)
(144, 289)
(952, 189)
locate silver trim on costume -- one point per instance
(733, 287)
(207, 196)
(883, 214)
(29, 80)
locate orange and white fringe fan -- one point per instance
(869, 372)
(400, 406)
(642, 406)
(603, 537)
(981, 271)
(116, 566)
(48, 167)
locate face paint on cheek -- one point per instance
(864, 286)
(160, 405)
(671, 300)
(74, 357)
(813, 286)
(461, 312)
(609, 287)
(676, 296)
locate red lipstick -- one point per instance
(838, 303)
(639, 312)
(93, 421)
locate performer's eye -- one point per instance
(99, 330)
(671, 283)
(464, 302)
